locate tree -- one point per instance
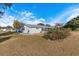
(4, 7)
(58, 25)
(73, 23)
(16, 24)
(41, 24)
(8, 4)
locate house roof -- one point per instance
(37, 26)
(8, 27)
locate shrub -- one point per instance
(57, 33)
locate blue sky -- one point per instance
(33, 13)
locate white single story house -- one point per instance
(32, 29)
(6, 29)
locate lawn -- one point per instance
(33, 45)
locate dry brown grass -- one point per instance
(23, 45)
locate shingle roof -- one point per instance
(37, 26)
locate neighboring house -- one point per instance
(6, 29)
(32, 29)
(19, 30)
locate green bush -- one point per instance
(57, 33)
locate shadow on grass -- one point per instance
(45, 37)
(5, 38)
(7, 33)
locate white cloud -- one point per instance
(34, 22)
(28, 14)
(24, 16)
(6, 20)
(30, 18)
(42, 19)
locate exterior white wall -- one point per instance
(34, 30)
(25, 29)
(31, 30)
